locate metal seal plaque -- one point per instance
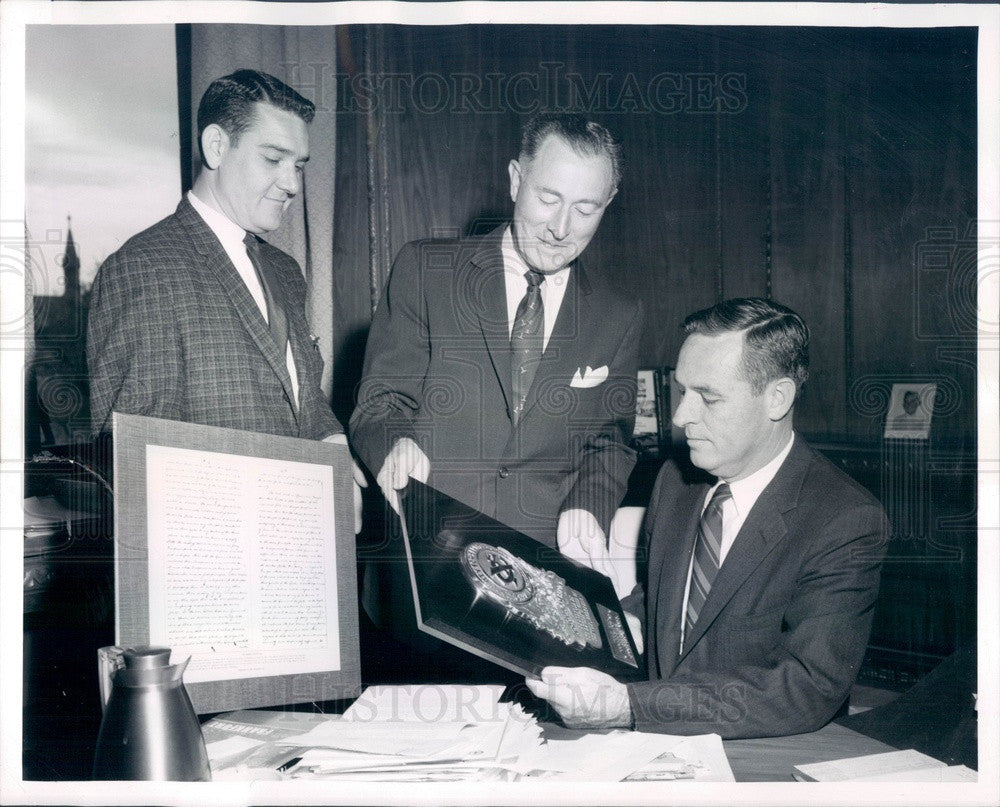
(540, 597)
(505, 597)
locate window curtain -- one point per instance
(305, 59)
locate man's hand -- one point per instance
(579, 536)
(406, 459)
(583, 697)
(359, 480)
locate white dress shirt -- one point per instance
(735, 510)
(231, 237)
(553, 289)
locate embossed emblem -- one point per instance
(535, 595)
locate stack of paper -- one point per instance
(631, 756)
(420, 733)
(893, 766)
(438, 733)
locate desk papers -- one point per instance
(894, 766)
(429, 702)
(632, 756)
(438, 733)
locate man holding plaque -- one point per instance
(501, 370)
(197, 318)
(761, 583)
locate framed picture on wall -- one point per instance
(911, 408)
(670, 397)
(646, 434)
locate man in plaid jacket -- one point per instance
(197, 319)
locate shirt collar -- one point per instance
(227, 231)
(746, 491)
(514, 264)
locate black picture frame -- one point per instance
(671, 437)
(502, 596)
(647, 435)
(910, 411)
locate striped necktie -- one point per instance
(526, 338)
(706, 556)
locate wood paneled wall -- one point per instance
(833, 169)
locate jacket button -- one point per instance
(285, 396)
(504, 472)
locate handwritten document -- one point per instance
(242, 563)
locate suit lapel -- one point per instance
(486, 294)
(218, 265)
(670, 574)
(761, 534)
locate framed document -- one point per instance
(505, 597)
(237, 549)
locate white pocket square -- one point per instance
(589, 377)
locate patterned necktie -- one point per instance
(276, 320)
(706, 556)
(526, 342)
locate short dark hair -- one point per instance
(776, 339)
(586, 137)
(229, 102)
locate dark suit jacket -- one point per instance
(780, 638)
(437, 369)
(174, 333)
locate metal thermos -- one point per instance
(150, 730)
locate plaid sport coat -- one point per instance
(174, 333)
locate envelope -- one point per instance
(589, 377)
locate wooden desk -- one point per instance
(771, 759)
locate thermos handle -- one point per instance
(109, 661)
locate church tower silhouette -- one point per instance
(71, 267)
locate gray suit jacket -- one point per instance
(437, 370)
(783, 631)
(174, 333)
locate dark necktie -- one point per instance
(706, 557)
(276, 320)
(526, 342)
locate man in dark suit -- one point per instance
(761, 585)
(499, 369)
(197, 318)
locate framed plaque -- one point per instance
(505, 597)
(237, 549)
